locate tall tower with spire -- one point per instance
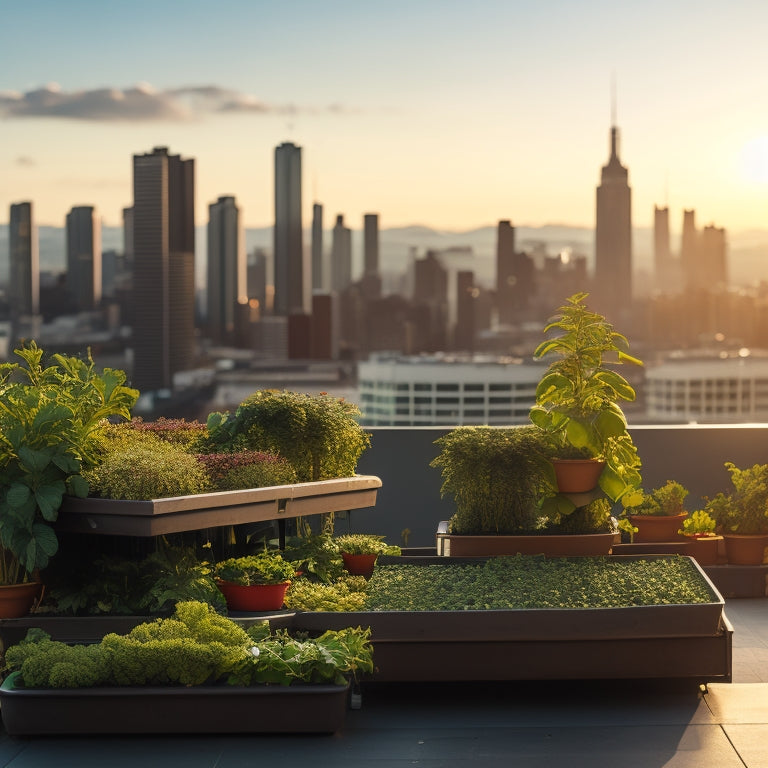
(613, 238)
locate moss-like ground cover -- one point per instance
(536, 582)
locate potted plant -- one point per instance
(742, 514)
(359, 551)
(660, 513)
(499, 479)
(167, 676)
(578, 399)
(255, 582)
(51, 419)
(699, 528)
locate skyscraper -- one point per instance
(515, 284)
(84, 269)
(689, 247)
(293, 285)
(341, 256)
(663, 264)
(371, 280)
(318, 273)
(226, 287)
(24, 282)
(164, 261)
(613, 239)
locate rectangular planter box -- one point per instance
(199, 709)
(157, 517)
(659, 641)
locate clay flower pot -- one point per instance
(359, 565)
(577, 475)
(254, 597)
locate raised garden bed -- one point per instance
(157, 517)
(684, 640)
(160, 709)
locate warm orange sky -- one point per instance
(448, 114)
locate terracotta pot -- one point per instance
(254, 597)
(577, 475)
(704, 549)
(657, 527)
(745, 550)
(17, 599)
(359, 565)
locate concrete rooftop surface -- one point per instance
(612, 724)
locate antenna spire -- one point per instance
(613, 98)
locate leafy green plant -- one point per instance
(577, 399)
(496, 477)
(120, 585)
(525, 581)
(745, 509)
(140, 465)
(698, 523)
(667, 500)
(315, 555)
(365, 544)
(267, 567)
(50, 422)
(318, 434)
(193, 647)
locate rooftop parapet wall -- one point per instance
(694, 455)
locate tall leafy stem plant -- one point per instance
(50, 420)
(578, 398)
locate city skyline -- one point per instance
(432, 114)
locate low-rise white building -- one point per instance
(397, 390)
(729, 390)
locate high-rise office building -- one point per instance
(466, 299)
(24, 279)
(712, 257)
(371, 280)
(84, 272)
(318, 272)
(689, 247)
(293, 281)
(163, 275)
(341, 256)
(505, 271)
(666, 274)
(226, 288)
(613, 239)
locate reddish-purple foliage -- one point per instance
(219, 464)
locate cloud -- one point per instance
(141, 103)
(25, 161)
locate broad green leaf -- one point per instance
(49, 498)
(18, 495)
(78, 486)
(34, 460)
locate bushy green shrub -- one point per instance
(246, 469)
(365, 544)
(496, 476)
(138, 465)
(318, 434)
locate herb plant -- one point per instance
(578, 398)
(744, 510)
(265, 568)
(667, 500)
(365, 544)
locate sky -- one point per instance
(451, 114)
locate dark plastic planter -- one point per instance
(663, 641)
(201, 709)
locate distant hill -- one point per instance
(748, 250)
